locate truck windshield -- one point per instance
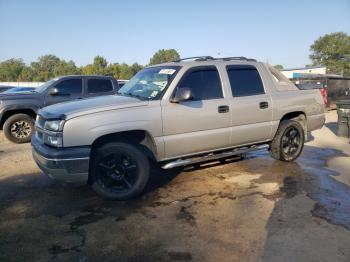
(149, 83)
(45, 85)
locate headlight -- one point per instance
(54, 125)
(56, 141)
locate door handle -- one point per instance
(264, 105)
(223, 109)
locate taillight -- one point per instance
(324, 96)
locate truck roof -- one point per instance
(99, 76)
(208, 60)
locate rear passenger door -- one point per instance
(251, 105)
(68, 89)
(201, 124)
(98, 87)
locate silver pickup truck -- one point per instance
(174, 114)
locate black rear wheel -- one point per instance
(288, 142)
(119, 171)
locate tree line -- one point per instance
(331, 50)
(50, 66)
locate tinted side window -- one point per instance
(204, 83)
(99, 86)
(245, 81)
(70, 86)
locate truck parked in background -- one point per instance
(18, 109)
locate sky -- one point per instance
(279, 32)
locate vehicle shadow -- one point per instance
(333, 126)
(309, 137)
(61, 200)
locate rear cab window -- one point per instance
(244, 80)
(96, 86)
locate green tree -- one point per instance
(44, 68)
(163, 56)
(11, 69)
(278, 67)
(98, 67)
(26, 75)
(135, 68)
(66, 68)
(125, 71)
(332, 51)
(113, 70)
(88, 69)
(100, 62)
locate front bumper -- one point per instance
(66, 165)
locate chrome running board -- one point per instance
(213, 156)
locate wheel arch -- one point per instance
(10, 112)
(136, 137)
(142, 138)
(298, 116)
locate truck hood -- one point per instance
(19, 95)
(71, 109)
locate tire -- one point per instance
(119, 171)
(19, 128)
(288, 142)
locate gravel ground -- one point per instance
(251, 209)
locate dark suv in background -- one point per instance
(18, 110)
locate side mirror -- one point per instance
(53, 92)
(182, 94)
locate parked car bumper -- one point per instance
(66, 165)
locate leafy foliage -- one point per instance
(50, 66)
(333, 51)
(11, 69)
(163, 56)
(278, 67)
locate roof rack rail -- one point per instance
(196, 58)
(205, 58)
(237, 58)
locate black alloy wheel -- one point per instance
(291, 142)
(288, 142)
(119, 171)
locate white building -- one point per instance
(297, 72)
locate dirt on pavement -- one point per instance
(251, 209)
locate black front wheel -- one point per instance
(19, 128)
(119, 171)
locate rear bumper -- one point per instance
(66, 165)
(315, 121)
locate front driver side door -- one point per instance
(201, 124)
(68, 89)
